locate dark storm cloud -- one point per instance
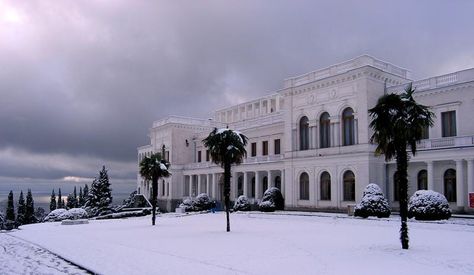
(83, 80)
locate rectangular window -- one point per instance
(199, 156)
(265, 148)
(254, 149)
(277, 146)
(207, 155)
(448, 124)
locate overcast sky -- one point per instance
(82, 81)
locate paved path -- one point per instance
(20, 257)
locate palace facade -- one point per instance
(311, 140)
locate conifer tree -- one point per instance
(30, 209)
(63, 203)
(20, 217)
(85, 195)
(60, 200)
(74, 194)
(52, 204)
(71, 201)
(80, 200)
(100, 194)
(10, 207)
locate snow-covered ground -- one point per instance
(21, 257)
(259, 244)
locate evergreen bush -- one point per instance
(272, 200)
(242, 204)
(373, 203)
(428, 205)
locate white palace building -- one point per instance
(311, 140)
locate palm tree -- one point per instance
(226, 147)
(153, 168)
(398, 122)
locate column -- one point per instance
(271, 183)
(245, 184)
(199, 187)
(233, 185)
(257, 185)
(166, 188)
(429, 165)
(191, 184)
(214, 186)
(460, 183)
(208, 184)
(277, 103)
(356, 130)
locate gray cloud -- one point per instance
(84, 80)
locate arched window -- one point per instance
(348, 137)
(278, 182)
(325, 186)
(304, 133)
(396, 187)
(324, 131)
(450, 185)
(264, 184)
(422, 180)
(252, 187)
(240, 186)
(304, 186)
(349, 186)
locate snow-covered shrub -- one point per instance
(428, 205)
(373, 203)
(200, 203)
(126, 214)
(272, 200)
(267, 206)
(187, 204)
(63, 214)
(54, 215)
(203, 202)
(77, 213)
(242, 204)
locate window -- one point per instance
(349, 186)
(207, 155)
(277, 146)
(304, 133)
(278, 182)
(396, 187)
(348, 127)
(425, 132)
(324, 131)
(450, 185)
(325, 186)
(422, 180)
(199, 156)
(265, 148)
(254, 149)
(265, 184)
(448, 124)
(240, 186)
(304, 186)
(163, 189)
(252, 187)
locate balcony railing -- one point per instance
(259, 159)
(446, 142)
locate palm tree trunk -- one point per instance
(154, 195)
(402, 166)
(227, 193)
